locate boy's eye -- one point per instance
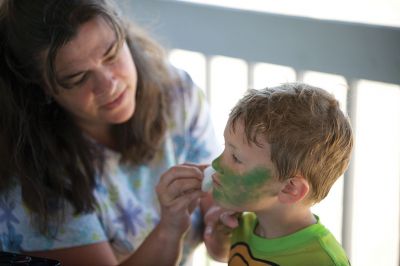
(235, 159)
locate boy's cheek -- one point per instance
(232, 197)
(224, 196)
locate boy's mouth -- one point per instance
(216, 182)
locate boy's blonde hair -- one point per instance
(307, 131)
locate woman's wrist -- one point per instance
(168, 233)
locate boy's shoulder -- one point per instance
(312, 244)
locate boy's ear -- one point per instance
(294, 190)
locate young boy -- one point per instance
(284, 149)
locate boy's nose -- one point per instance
(216, 164)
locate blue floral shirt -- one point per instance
(128, 208)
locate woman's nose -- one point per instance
(105, 82)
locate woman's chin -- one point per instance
(122, 115)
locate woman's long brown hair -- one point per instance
(41, 148)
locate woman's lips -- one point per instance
(116, 102)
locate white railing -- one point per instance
(228, 50)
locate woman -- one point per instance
(92, 117)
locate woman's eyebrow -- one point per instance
(109, 49)
(70, 76)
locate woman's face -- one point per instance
(101, 77)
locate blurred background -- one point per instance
(348, 47)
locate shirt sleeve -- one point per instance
(19, 233)
(194, 139)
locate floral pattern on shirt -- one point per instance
(128, 208)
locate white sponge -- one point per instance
(207, 180)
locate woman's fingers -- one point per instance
(219, 219)
(176, 215)
(177, 182)
(181, 187)
(199, 166)
(219, 227)
(185, 202)
(179, 191)
(229, 219)
(181, 171)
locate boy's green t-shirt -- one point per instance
(314, 245)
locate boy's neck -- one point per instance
(283, 222)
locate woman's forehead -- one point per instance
(91, 42)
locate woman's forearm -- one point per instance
(159, 248)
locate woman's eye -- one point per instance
(112, 57)
(80, 80)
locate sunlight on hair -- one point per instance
(376, 185)
(193, 62)
(270, 75)
(330, 209)
(334, 84)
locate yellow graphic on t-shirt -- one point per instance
(241, 255)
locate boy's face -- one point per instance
(243, 181)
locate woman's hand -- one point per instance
(179, 191)
(219, 226)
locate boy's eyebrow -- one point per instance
(232, 146)
(109, 49)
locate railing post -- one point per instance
(348, 186)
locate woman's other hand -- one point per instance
(219, 226)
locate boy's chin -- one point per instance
(231, 207)
(227, 202)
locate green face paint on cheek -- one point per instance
(237, 190)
